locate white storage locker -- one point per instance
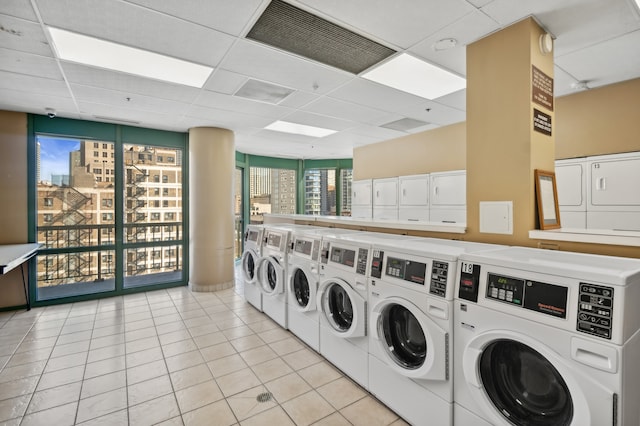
(571, 181)
(413, 196)
(614, 193)
(361, 201)
(448, 201)
(385, 198)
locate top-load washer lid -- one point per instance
(524, 386)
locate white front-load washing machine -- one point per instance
(410, 322)
(546, 337)
(302, 284)
(250, 258)
(342, 301)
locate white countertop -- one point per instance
(12, 255)
(454, 228)
(593, 236)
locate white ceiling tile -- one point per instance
(134, 117)
(400, 23)
(346, 110)
(26, 63)
(562, 82)
(135, 26)
(36, 103)
(227, 119)
(317, 120)
(457, 100)
(298, 99)
(230, 17)
(18, 8)
(274, 66)
(438, 114)
(223, 81)
(377, 133)
(126, 101)
(242, 105)
(126, 83)
(24, 36)
(372, 94)
(27, 83)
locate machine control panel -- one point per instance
(343, 256)
(315, 250)
(439, 274)
(361, 267)
(469, 282)
(595, 310)
(274, 239)
(406, 270)
(303, 246)
(548, 299)
(252, 235)
(376, 263)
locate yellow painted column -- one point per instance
(211, 219)
(503, 149)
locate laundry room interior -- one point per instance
(297, 212)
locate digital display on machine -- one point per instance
(407, 270)
(343, 256)
(252, 235)
(549, 299)
(274, 239)
(303, 246)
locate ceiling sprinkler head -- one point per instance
(444, 44)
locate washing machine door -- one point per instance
(519, 381)
(414, 345)
(271, 276)
(302, 289)
(250, 260)
(342, 308)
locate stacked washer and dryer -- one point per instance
(411, 322)
(547, 338)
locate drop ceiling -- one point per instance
(595, 41)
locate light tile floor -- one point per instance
(169, 357)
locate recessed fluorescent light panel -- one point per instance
(299, 129)
(412, 75)
(263, 92)
(94, 52)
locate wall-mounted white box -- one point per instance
(496, 217)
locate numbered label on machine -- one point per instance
(469, 282)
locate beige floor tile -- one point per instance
(66, 361)
(399, 422)
(274, 335)
(235, 332)
(271, 369)
(144, 318)
(198, 396)
(174, 336)
(226, 365)
(247, 342)
(178, 348)
(167, 319)
(288, 387)
(33, 345)
(142, 344)
(70, 348)
(307, 408)
(114, 419)
(210, 339)
(54, 397)
(335, 419)
(239, 381)
(175, 421)
(13, 407)
(102, 384)
(199, 321)
(10, 374)
(61, 377)
(185, 360)
(102, 342)
(148, 390)
(368, 412)
(170, 327)
(18, 387)
(61, 415)
(154, 411)
(273, 416)
(258, 355)
(143, 333)
(143, 357)
(190, 376)
(319, 374)
(99, 405)
(106, 353)
(251, 402)
(286, 346)
(29, 357)
(202, 416)
(218, 351)
(80, 336)
(201, 330)
(108, 331)
(341, 392)
(106, 366)
(145, 372)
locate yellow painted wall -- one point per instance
(13, 193)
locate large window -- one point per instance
(346, 177)
(271, 191)
(320, 192)
(104, 223)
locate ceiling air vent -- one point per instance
(405, 124)
(297, 31)
(263, 92)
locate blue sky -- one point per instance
(54, 155)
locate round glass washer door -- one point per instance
(301, 291)
(343, 308)
(524, 386)
(249, 266)
(271, 276)
(402, 336)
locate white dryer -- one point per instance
(546, 338)
(342, 301)
(410, 322)
(302, 283)
(250, 259)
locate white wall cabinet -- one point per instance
(571, 181)
(413, 193)
(361, 198)
(448, 201)
(385, 198)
